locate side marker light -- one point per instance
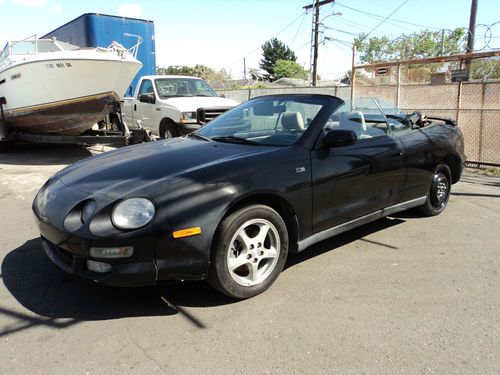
(187, 232)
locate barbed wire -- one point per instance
(487, 37)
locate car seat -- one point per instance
(354, 121)
(292, 121)
(182, 90)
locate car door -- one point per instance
(145, 112)
(419, 155)
(351, 181)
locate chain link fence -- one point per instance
(428, 88)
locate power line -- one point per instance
(274, 36)
(300, 27)
(340, 31)
(339, 41)
(354, 24)
(385, 19)
(392, 19)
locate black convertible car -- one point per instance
(229, 202)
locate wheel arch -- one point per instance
(454, 162)
(165, 120)
(163, 124)
(277, 203)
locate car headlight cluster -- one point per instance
(133, 213)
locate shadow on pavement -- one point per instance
(44, 154)
(477, 179)
(43, 289)
(477, 195)
(344, 239)
(60, 300)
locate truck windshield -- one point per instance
(175, 87)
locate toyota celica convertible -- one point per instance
(229, 202)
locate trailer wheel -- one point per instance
(116, 125)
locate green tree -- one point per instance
(175, 70)
(272, 51)
(486, 68)
(198, 70)
(419, 45)
(289, 69)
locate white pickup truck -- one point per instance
(171, 106)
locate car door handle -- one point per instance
(397, 155)
(135, 107)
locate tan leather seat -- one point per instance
(292, 121)
(354, 121)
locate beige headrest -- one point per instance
(292, 121)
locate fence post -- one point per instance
(459, 95)
(353, 74)
(483, 94)
(398, 87)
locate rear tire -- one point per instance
(249, 253)
(439, 192)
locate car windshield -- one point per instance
(368, 118)
(175, 87)
(273, 121)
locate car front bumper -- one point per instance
(70, 254)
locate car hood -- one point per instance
(144, 168)
(192, 103)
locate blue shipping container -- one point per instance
(100, 30)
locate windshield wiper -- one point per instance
(198, 136)
(233, 139)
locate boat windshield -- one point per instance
(35, 46)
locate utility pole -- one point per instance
(472, 32)
(442, 42)
(317, 4)
(244, 68)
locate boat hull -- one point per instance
(66, 117)
(61, 95)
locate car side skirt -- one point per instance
(318, 237)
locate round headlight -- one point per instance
(133, 213)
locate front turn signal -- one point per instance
(187, 232)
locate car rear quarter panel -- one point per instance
(426, 148)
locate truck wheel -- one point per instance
(249, 252)
(168, 130)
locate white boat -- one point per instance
(48, 86)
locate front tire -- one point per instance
(439, 192)
(249, 253)
(168, 130)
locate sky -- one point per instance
(221, 33)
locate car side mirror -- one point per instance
(339, 138)
(222, 96)
(147, 98)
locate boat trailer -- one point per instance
(115, 137)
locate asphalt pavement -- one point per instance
(402, 295)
